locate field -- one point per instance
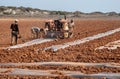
(81, 60)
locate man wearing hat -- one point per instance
(71, 28)
(14, 32)
(65, 28)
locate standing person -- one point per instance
(65, 28)
(52, 25)
(71, 28)
(14, 32)
(65, 17)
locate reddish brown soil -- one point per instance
(39, 77)
(80, 53)
(82, 69)
(24, 27)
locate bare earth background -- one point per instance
(80, 53)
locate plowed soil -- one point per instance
(80, 53)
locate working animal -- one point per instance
(58, 25)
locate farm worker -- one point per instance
(71, 28)
(14, 32)
(35, 31)
(52, 25)
(65, 28)
(49, 25)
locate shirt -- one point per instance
(14, 27)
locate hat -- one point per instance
(51, 20)
(63, 20)
(16, 20)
